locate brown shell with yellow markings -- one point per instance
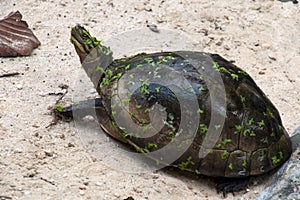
(252, 141)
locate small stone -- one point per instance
(62, 136)
(272, 57)
(265, 46)
(157, 190)
(63, 86)
(92, 91)
(40, 155)
(99, 183)
(131, 198)
(94, 159)
(19, 86)
(81, 192)
(42, 94)
(256, 44)
(153, 27)
(217, 24)
(226, 46)
(190, 187)
(219, 43)
(155, 176)
(49, 153)
(137, 190)
(117, 195)
(82, 187)
(18, 150)
(71, 144)
(160, 19)
(88, 118)
(261, 72)
(86, 182)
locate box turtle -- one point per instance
(139, 106)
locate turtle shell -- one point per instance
(251, 141)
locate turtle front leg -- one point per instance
(92, 107)
(80, 109)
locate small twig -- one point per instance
(9, 74)
(52, 123)
(62, 94)
(51, 182)
(55, 120)
(5, 197)
(55, 94)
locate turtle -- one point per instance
(251, 141)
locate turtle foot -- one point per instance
(232, 185)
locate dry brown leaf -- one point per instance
(16, 39)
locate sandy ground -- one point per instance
(36, 162)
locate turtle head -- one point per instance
(93, 55)
(85, 44)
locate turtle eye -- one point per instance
(84, 35)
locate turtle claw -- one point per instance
(232, 185)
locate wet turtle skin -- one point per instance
(253, 140)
